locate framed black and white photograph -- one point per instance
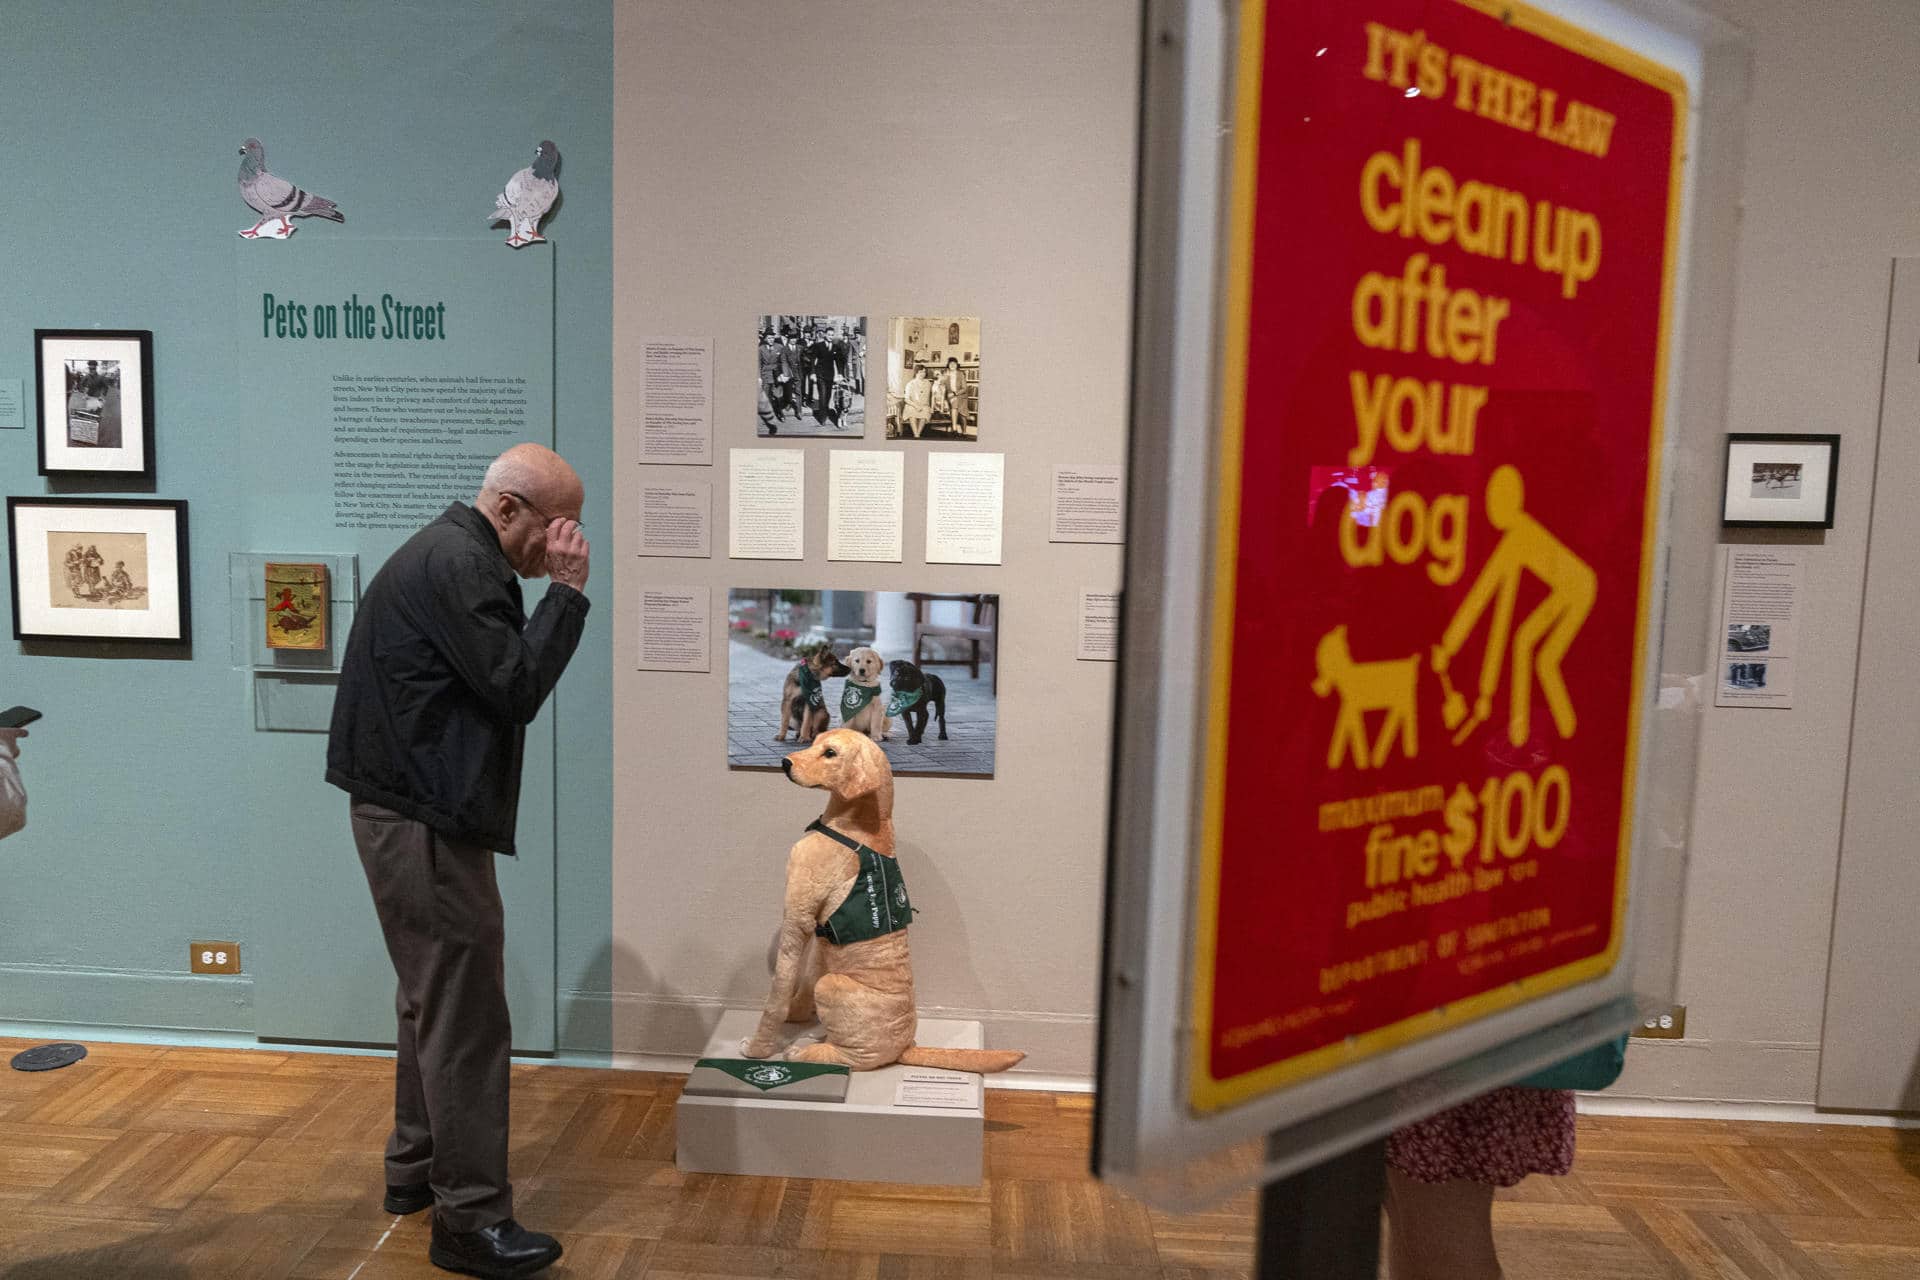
(933, 378)
(99, 569)
(813, 376)
(95, 391)
(1780, 481)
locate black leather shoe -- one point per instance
(503, 1251)
(411, 1198)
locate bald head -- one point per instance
(526, 489)
(536, 473)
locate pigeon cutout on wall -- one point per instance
(528, 195)
(277, 201)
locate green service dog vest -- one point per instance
(810, 685)
(854, 699)
(878, 904)
(901, 701)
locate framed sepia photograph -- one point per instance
(99, 569)
(933, 378)
(1780, 481)
(95, 392)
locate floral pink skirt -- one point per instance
(1497, 1138)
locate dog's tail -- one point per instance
(963, 1059)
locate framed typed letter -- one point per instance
(99, 569)
(96, 401)
(1780, 481)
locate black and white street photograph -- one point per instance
(1747, 675)
(96, 401)
(1749, 637)
(1776, 480)
(933, 378)
(813, 376)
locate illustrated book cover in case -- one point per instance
(296, 606)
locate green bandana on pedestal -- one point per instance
(855, 698)
(901, 701)
(810, 685)
(878, 903)
(766, 1076)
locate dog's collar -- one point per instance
(810, 685)
(901, 701)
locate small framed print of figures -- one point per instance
(95, 391)
(1780, 481)
(296, 606)
(99, 569)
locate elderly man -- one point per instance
(13, 792)
(443, 670)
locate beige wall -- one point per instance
(1831, 191)
(851, 156)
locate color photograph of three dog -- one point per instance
(915, 672)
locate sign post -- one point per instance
(1404, 333)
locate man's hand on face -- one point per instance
(567, 554)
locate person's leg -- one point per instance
(391, 852)
(464, 1037)
(410, 1149)
(1439, 1230)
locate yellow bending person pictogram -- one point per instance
(1363, 687)
(1541, 640)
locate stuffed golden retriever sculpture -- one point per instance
(842, 946)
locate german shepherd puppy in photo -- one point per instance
(803, 700)
(906, 680)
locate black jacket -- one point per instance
(443, 671)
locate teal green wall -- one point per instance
(145, 779)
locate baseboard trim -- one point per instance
(59, 995)
(1607, 1104)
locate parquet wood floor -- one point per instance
(163, 1164)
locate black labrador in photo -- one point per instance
(914, 692)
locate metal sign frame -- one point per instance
(1146, 1133)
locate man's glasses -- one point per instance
(528, 503)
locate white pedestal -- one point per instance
(864, 1139)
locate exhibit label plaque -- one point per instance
(1453, 232)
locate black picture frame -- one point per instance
(27, 616)
(1805, 511)
(51, 417)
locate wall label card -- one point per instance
(865, 497)
(676, 517)
(1760, 624)
(676, 400)
(1099, 626)
(1435, 550)
(13, 406)
(955, 1090)
(768, 488)
(674, 628)
(965, 497)
(1089, 504)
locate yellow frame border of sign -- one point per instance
(1205, 1093)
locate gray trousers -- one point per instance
(439, 908)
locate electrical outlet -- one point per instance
(213, 957)
(1671, 1025)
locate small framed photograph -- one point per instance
(1780, 481)
(95, 391)
(99, 569)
